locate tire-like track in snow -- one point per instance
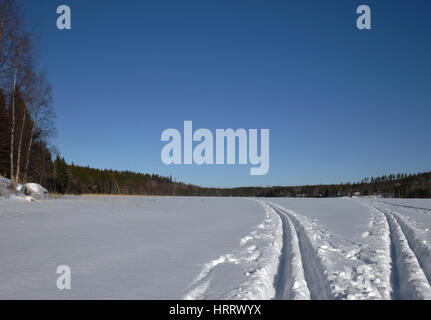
(410, 269)
(417, 209)
(301, 273)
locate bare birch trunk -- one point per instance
(18, 161)
(27, 161)
(12, 136)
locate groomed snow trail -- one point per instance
(290, 283)
(298, 275)
(411, 258)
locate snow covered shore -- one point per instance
(29, 191)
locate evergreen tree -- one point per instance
(61, 174)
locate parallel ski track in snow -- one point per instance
(300, 274)
(416, 209)
(411, 267)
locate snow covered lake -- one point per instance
(216, 248)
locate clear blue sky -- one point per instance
(341, 103)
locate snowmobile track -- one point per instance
(416, 209)
(301, 273)
(409, 273)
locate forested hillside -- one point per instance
(26, 112)
(396, 186)
(78, 179)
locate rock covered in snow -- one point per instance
(20, 188)
(4, 182)
(36, 190)
(4, 187)
(29, 191)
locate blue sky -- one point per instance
(341, 103)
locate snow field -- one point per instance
(120, 247)
(216, 248)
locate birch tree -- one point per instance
(42, 115)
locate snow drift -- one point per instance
(29, 191)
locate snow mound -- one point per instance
(20, 188)
(36, 190)
(4, 187)
(29, 191)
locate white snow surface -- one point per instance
(363, 248)
(135, 248)
(36, 190)
(216, 248)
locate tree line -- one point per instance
(75, 179)
(26, 112)
(393, 186)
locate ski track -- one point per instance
(258, 259)
(301, 275)
(348, 270)
(299, 260)
(290, 283)
(416, 209)
(410, 258)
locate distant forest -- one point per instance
(77, 180)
